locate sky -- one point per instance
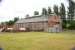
(14, 8)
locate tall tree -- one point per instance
(56, 10)
(44, 11)
(63, 15)
(36, 13)
(71, 9)
(63, 11)
(16, 19)
(49, 10)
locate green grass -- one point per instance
(37, 41)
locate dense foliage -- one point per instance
(56, 10)
(44, 11)
(10, 22)
(71, 9)
(36, 13)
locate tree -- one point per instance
(62, 11)
(27, 15)
(56, 10)
(16, 19)
(72, 25)
(44, 11)
(71, 9)
(36, 13)
(49, 10)
(9, 23)
(63, 15)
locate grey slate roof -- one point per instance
(33, 19)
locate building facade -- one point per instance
(46, 23)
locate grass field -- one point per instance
(37, 41)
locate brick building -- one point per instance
(46, 23)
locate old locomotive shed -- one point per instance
(46, 23)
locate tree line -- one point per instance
(67, 22)
(10, 22)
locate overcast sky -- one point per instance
(12, 8)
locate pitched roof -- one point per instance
(34, 19)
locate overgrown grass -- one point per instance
(37, 41)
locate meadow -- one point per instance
(37, 41)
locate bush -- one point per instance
(72, 25)
(64, 23)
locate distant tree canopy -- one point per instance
(44, 11)
(11, 22)
(16, 19)
(71, 9)
(36, 13)
(62, 11)
(56, 9)
(63, 15)
(27, 15)
(49, 10)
